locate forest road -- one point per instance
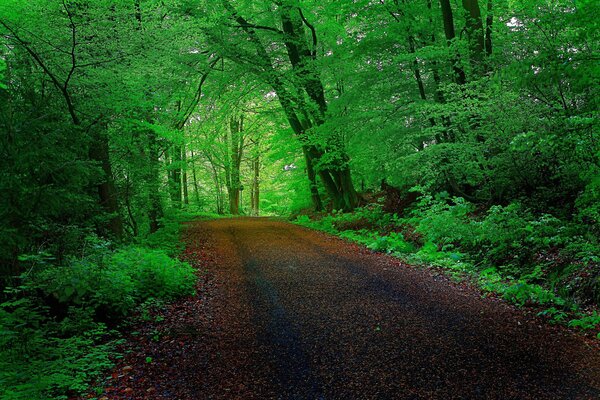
(289, 313)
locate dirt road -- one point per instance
(288, 313)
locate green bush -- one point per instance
(154, 273)
(524, 256)
(86, 283)
(522, 293)
(51, 343)
(586, 322)
(508, 237)
(392, 243)
(444, 222)
(41, 358)
(112, 284)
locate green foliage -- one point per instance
(556, 316)
(392, 243)
(154, 273)
(586, 322)
(101, 287)
(52, 342)
(511, 237)
(41, 358)
(517, 246)
(445, 224)
(2, 71)
(121, 141)
(523, 293)
(113, 283)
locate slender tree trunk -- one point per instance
(417, 74)
(255, 192)
(175, 176)
(184, 176)
(155, 211)
(236, 127)
(195, 180)
(127, 199)
(489, 20)
(220, 196)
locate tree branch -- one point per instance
(253, 26)
(73, 45)
(312, 31)
(190, 108)
(60, 86)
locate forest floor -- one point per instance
(284, 312)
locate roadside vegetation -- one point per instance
(61, 321)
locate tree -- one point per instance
(303, 99)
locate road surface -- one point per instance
(284, 312)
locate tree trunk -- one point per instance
(195, 180)
(474, 29)
(489, 20)
(184, 177)
(99, 152)
(175, 176)
(312, 181)
(448, 19)
(236, 143)
(155, 211)
(255, 193)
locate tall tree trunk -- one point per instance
(417, 74)
(256, 187)
(219, 196)
(448, 19)
(236, 128)
(175, 176)
(184, 176)
(475, 36)
(99, 152)
(489, 20)
(195, 180)
(155, 211)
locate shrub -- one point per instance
(51, 342)
(392, 243)
(522, 293)
(586, 322)
(85, 283)
(112, 284)
(444, 222)
(41, 358)
(154, 273)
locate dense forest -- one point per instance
(463, 134)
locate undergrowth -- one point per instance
(59, 325)
(527, 259)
